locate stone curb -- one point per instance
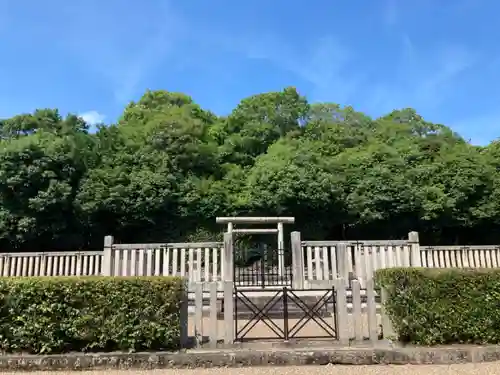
(245, 358)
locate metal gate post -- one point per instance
(285, 313)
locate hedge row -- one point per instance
(443, 306)
(61, 314)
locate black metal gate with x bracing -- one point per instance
(286, 314)
(263, 268)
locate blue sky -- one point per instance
(441, 57)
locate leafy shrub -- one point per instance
(60, 314)
(443, 306)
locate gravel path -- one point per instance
(491, 368)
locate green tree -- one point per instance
(168, 166)
(257, 122)
(40, 171)
(159, 147)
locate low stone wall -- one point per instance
(287, 356)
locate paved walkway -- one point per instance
(492, 368)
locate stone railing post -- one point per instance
(184, 316)
(228, 288)
(228, 257)
(387, 328)
(107, 260)
(341, 255)
(297, 261)
(414, 249)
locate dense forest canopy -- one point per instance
(168, 167)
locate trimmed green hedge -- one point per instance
(61, 314)
(443, 306)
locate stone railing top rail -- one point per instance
(52, 253)
(354, 243)
(460, 247)
(179, 245)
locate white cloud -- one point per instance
(323, 65)
(390, 12)
(422, 79)
(124, 56)
(93, 117)
(127, 43)
(326, 69)
(451, 62)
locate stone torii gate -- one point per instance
(279, 221)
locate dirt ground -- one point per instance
(491, 368)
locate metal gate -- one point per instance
(261, 268)
(285, 313)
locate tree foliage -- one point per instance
(167, 167)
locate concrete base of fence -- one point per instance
(277, 356)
